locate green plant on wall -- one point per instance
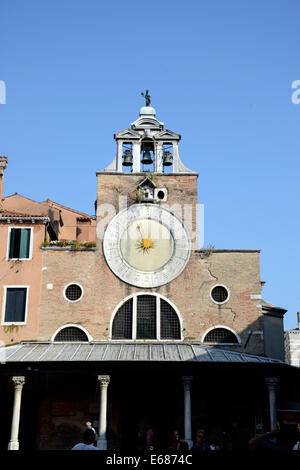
(74, 246)
(151, 176)
(208, 251)
(139, 194)
(68, 244)
(11, 328)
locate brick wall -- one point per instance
(51, 270)
(190, 292)
(117, 189)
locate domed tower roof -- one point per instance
(147, 111)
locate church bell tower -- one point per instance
(147, 146)
(147, 205)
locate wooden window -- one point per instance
(19, 243)
(15, 306)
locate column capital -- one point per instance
(187, 381)
(272, 382)
(104, 380)
(18, 381)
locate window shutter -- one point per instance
(15, 304)
(12, 243)
(24, 243)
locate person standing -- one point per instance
(88, 441)
(174, 442)
(200, 444)
(88, 425)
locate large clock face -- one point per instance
(146, 245)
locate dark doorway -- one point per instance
(148, 400)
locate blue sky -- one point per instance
(220, 74)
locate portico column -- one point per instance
(104, 381)
(187, 383)
(272, 383)
(14, 443)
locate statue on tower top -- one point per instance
(147, 97)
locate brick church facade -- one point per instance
(120, 318)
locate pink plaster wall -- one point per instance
(22, 273)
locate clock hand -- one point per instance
(142, 231)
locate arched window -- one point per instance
(71, 333)
(146, 317)
(220, 336)
(122, 325)
(147, 154)
(167, 157)
(169, 323)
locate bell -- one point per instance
(147, 159)
(167, 159)
(127, 158)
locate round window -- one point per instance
(73, 292)
(220, 294)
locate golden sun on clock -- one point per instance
(146, 245)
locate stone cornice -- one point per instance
(103, 172)
(33, 219)
(203, 250)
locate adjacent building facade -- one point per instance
(292, 345)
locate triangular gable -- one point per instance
(147, 182)
(167, 134)
(57, 206)
(17, 195)
(18, 203)
(127, 134)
